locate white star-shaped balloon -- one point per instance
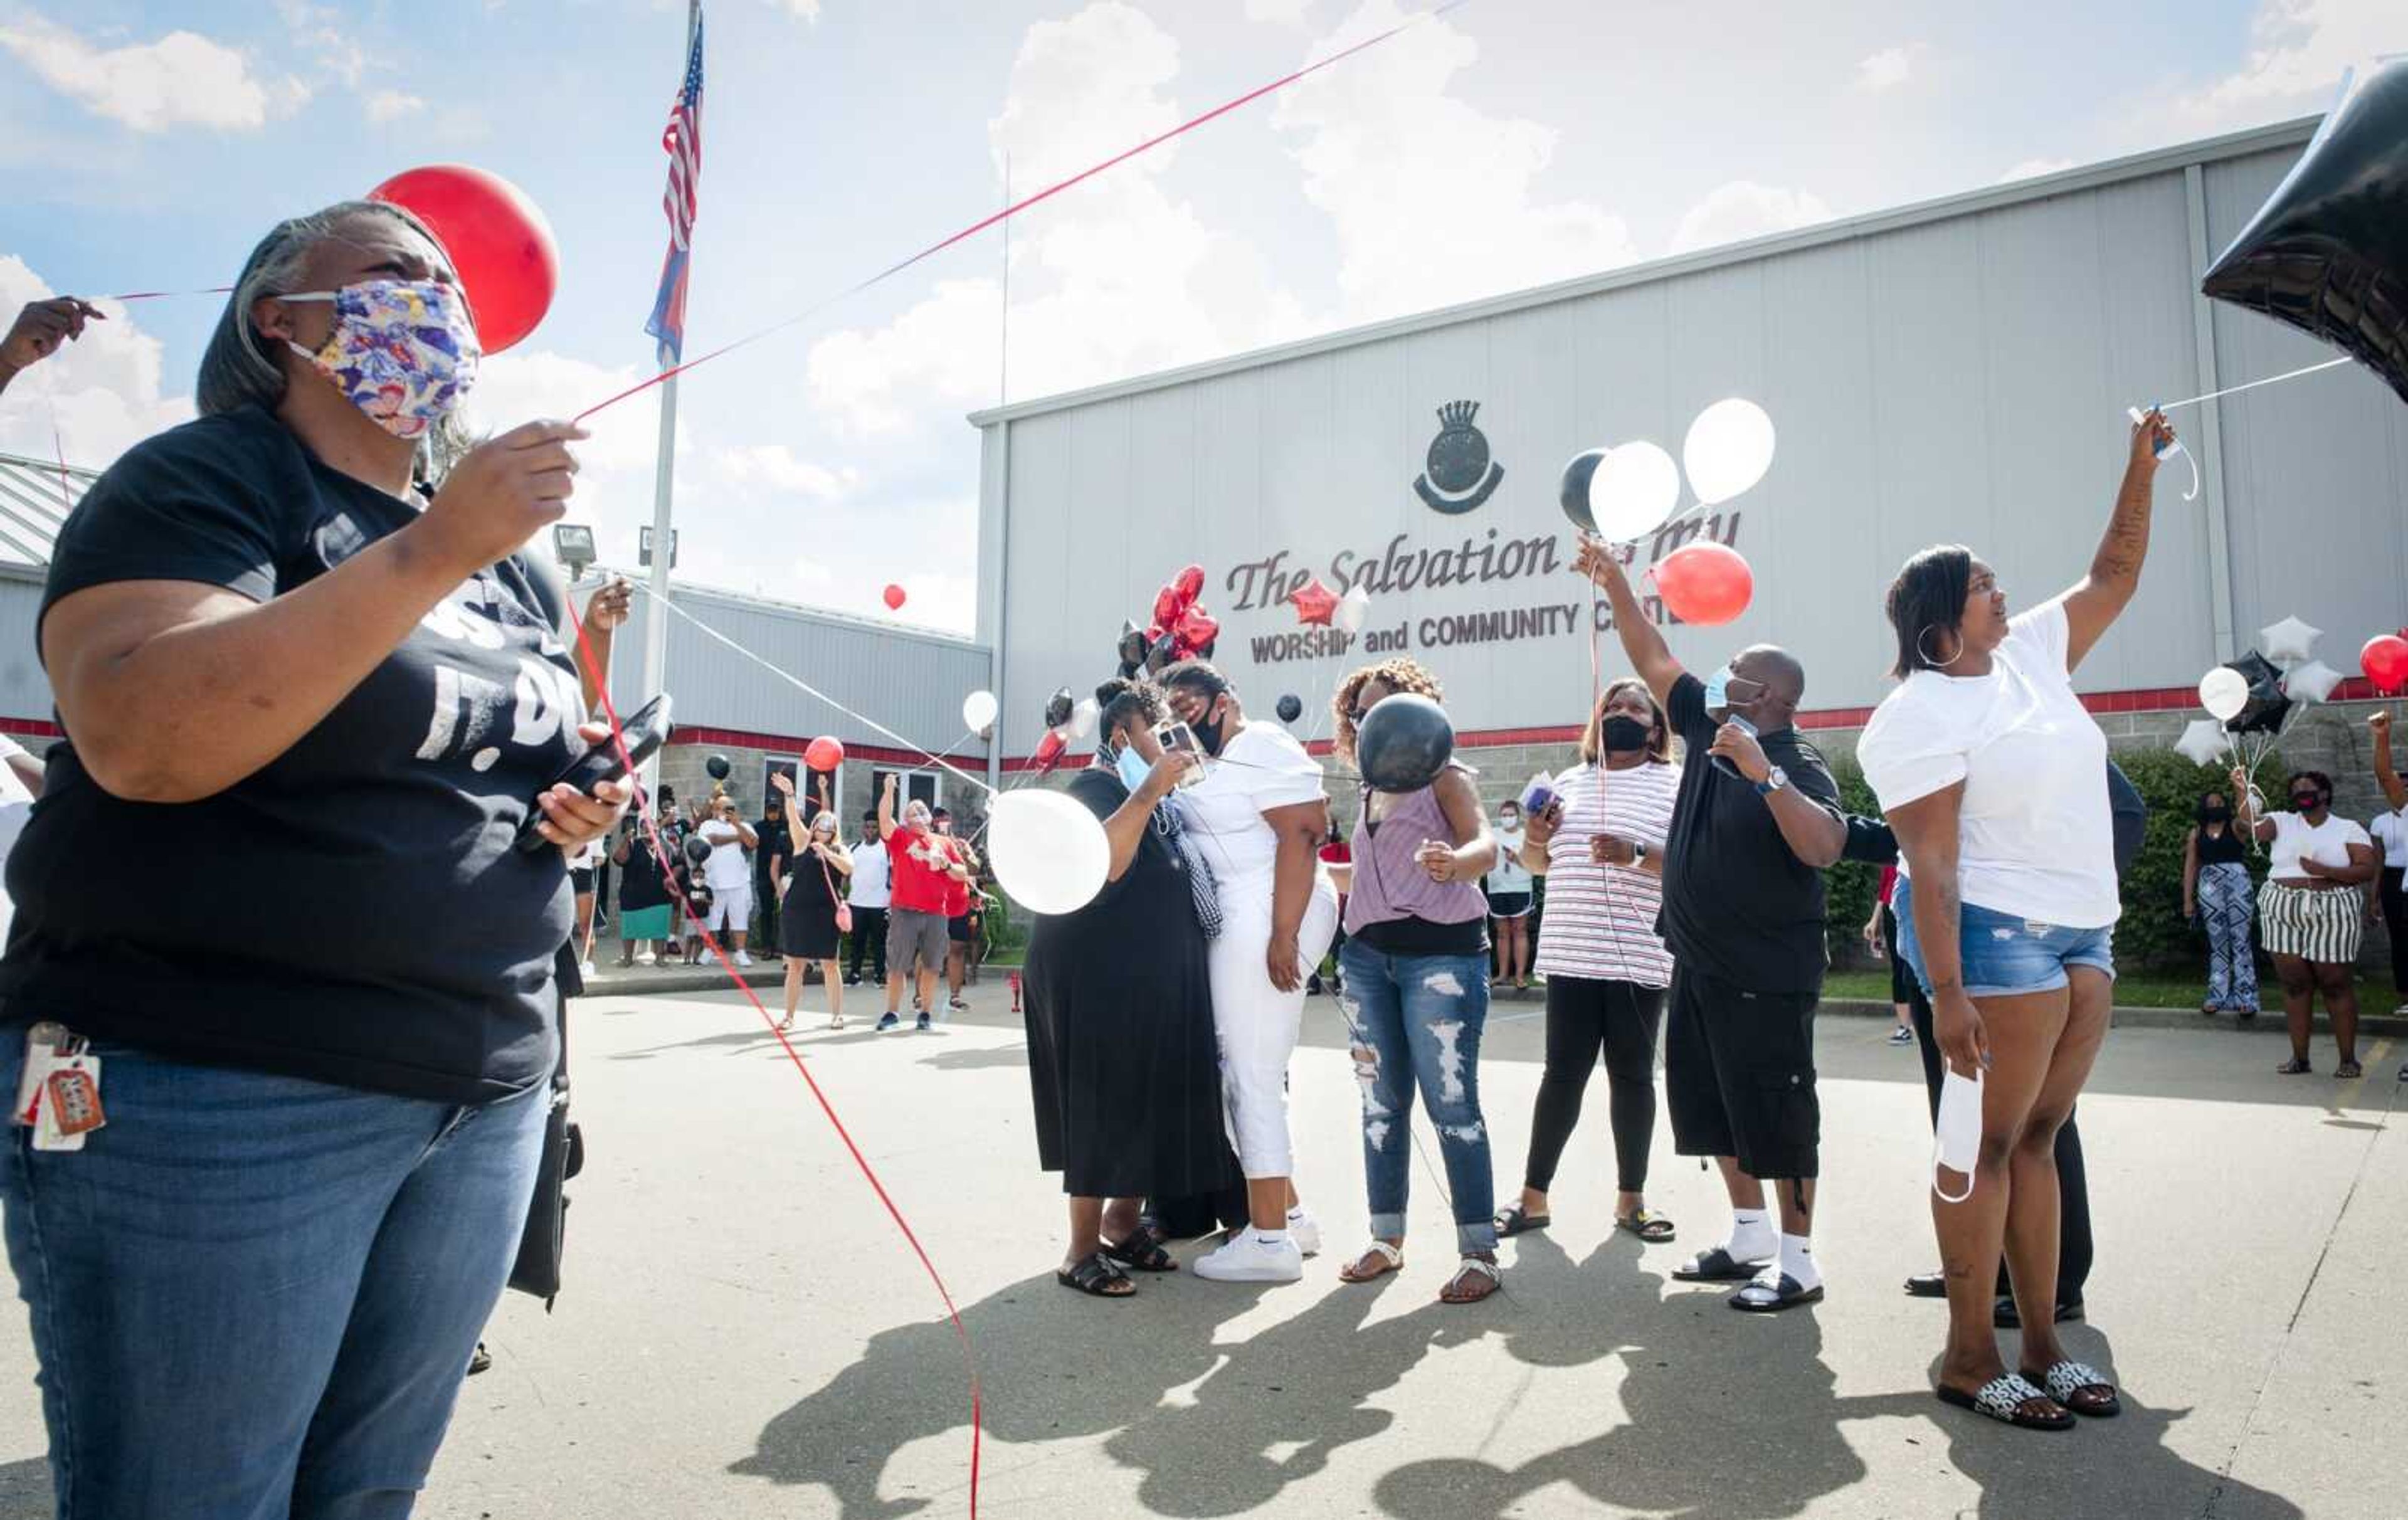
(2202, 740)
(2288, 642)
(2310, 683)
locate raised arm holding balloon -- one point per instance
(39, 330)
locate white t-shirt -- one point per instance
(1600, 919)
(724, 870)
(16, 805)
(2037, 840)
(870, 866)
(2390, 830)
(2326, 844)
(1510, 876)
(1260, 767)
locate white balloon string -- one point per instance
(809, 690)
(2248, 385)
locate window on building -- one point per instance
(918, 785)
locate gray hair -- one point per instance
(826, 820)
(237, 369)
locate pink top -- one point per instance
(1390, 885)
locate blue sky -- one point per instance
(1510, 142)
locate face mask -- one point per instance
(1956, 1139)
(1623, 734)
(1509, 821)
(1132, 768)
(2307, 801)
(404, 350)
(1209, 733)
(1718, 690)
(2215, 815)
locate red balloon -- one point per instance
(500, 245)
(2385, 660)
(824, 755)
(1189, 582)
(1198, 629)
(894, 598)
(1315, 602)
(1049, 750)
(1168, 604)
(1705, 583)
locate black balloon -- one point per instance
(1132, 647)
(1290, 708)
(1057, 709)
(1403, 743)
(1164, 653)
(2328, 251)
(1575, 488)
(2268, 706)
(719, 766)
(697, 848)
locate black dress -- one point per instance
(807, 923)
(1122, 1059)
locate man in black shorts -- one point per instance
(1757, 820)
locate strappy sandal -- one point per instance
(2080, 1387)
(2348, 1069)
(1097, 1276)
(2296, 1067)
(2004, 1398)
(1473, 1267)
(1716, 1266)
(835, 1021)
(1517, 1220)
(1392, 1260)
(1141, 1253)
(1647, 1225)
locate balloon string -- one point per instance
(809, 690)
(650, 823)
(161, 295)
(1017, 207)
(2251, 385)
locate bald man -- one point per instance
(1757, 820)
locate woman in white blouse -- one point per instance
(1990, 771)
(2310, 913)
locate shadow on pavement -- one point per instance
(25, 1489)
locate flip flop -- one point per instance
(1095, 1276)
(1773, 1298)
(1647, 1225)
(1716, 1266)
(2002, 1399)
(2080, 1387)
(1517, 1220)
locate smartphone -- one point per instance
(646, 730)
(1178, 737)
(1726, 766)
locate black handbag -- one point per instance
(536, 1270)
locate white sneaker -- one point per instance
(1305, 1231)
(1248, 1258)
(585, 969)
(743, 958)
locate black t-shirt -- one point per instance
(775, 846)
(639, 878)
(367, 920)
(1738, 905)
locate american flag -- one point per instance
(682, 140)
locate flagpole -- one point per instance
(656, 609)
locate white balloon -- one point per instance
(2310, 683)
(2289, 641)
(2224, 691)
(1634, 490)
(1729, 449)
(1352, 609)
(978, 711)
(2202, 740)
(1050, 853)
(1083, 718)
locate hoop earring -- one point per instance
(1932, 660)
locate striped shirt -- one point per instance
(1599, 921)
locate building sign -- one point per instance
(1460, 475)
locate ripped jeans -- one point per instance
(1417, 1023)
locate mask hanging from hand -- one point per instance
(404, 350)
(1956, 1136)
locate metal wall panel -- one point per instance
(25, 690)
(1960, 378)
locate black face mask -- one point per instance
(1207, 733)
(2214, 815)
(1621, 734)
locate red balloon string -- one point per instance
(668, 878)
(1047, 194)
(157, 295)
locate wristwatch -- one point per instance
(1638, 856)
(1772, 783)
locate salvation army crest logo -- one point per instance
(1460, 475)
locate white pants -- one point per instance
(1258, 1023)
(731, 908)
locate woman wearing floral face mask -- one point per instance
(271, 650)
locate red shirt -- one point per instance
(957, 892)
(921, 884)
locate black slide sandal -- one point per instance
(2080, 1387)
(1647, 1225)
(1927, 1286)
(1516, 1220)
(1716, 1266)
(1787, 1294)
(2002, 1399)
(1095, 1275)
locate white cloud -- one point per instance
(1434, 200)
(774, 465)
(104, 391)
(392, 104)
(2032, 168)
(1886, 69)
(1742, 209)
(2300, 49)
(181, 79)
(808, 10)
(1279, 12)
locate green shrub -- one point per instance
(1848, 887)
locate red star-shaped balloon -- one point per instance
(1315, 602)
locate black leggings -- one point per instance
(2074, 1247)
(1584, 1014)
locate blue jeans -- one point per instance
(253, 1296)
(1417, 1023)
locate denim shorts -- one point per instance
(2003, 955)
